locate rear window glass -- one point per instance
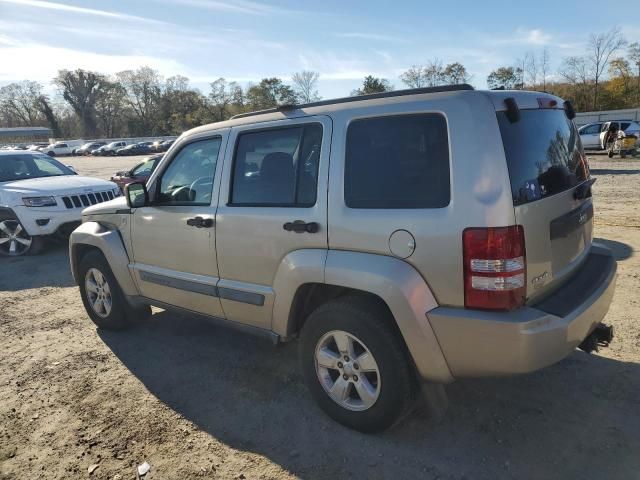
(397, 162)
(544, 154)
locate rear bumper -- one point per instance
(477, 343)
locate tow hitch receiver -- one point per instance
(600, 337)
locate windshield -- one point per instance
(544, 154)
(22, 167)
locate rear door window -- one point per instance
(277, 167)
(544, 154)
(397, 161)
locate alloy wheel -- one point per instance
(98, 292)
(347, 370)
(14, 240)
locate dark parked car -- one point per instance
(139, 173)
(87, 148)
(134, 149)
(164, 146)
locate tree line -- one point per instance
(143, 103)
(605, 77)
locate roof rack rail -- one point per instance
(359, 98)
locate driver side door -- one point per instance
(173, 238)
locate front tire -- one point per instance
(15, 241)
(102, 297)
(356, 364)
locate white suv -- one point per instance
(39, 196)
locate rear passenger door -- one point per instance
(274, 176)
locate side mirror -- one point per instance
(137, 195)
(70, 167)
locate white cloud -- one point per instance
(62, 7)
(42, 62)
(369, 36)
(235, 6)
(536, 37)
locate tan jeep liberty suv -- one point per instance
(414, 236)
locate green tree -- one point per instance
(455, 73)
(81, 90)
(269, 93)
(373, 84)
(507, 77)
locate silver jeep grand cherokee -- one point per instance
(413, 236)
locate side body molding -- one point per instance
(408, 297)
(110, 243)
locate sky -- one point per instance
(246, 40)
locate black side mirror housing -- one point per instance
(136, 194)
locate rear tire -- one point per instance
(102, 297)
(610, 153)
(356, 365)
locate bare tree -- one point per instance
(20, 102)
(575, 72)
(531, 69)
(305, 86)
(634, 57)
(544, 67)
(434, 73)
(223, 96)
(110, 107)
(414, 77)
(143, 87)
(601, 47)
(81, 90)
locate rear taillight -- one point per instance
(494, 267)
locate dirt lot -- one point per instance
(197, 401)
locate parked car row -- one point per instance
(96, 148)
(598, 135)
(123, 147)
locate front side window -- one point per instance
(396, 162)
(188, 180)
(21, 167)
(277, 167)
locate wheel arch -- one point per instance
(92, 236)
(306, 279)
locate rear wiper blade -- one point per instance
(583, 190)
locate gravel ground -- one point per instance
(194, 400)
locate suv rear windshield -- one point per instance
(544, 154)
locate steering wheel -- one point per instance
(201, 181)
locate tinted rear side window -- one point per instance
(544, 154)
(397, 162)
